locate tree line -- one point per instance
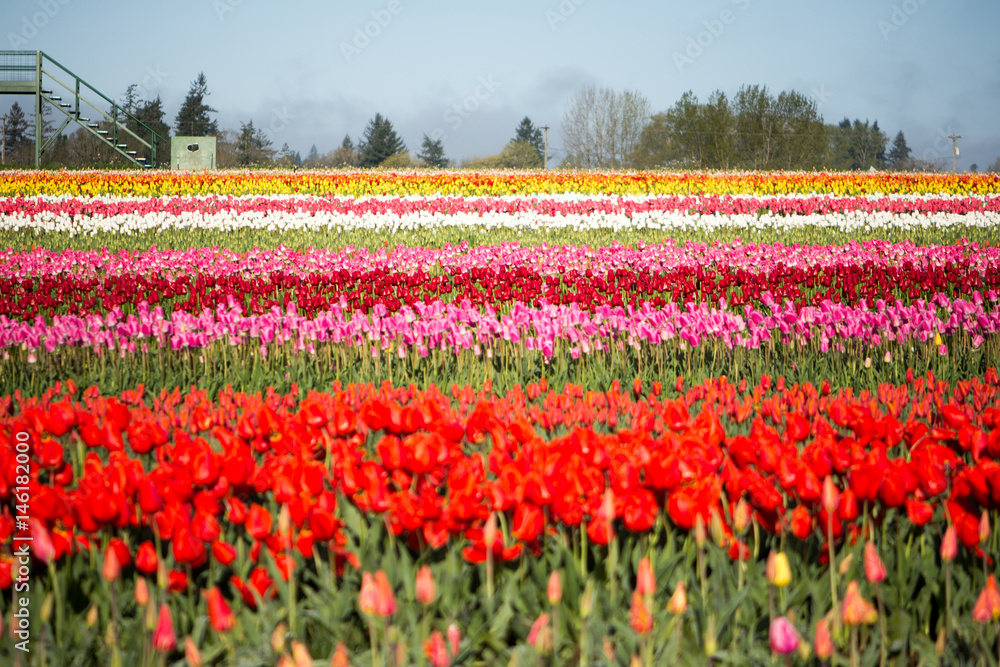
(601, 129)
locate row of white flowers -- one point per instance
(429, 221)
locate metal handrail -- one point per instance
(56, 73)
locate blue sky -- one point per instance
(308, 72)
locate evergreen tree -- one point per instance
(995, 167)
(312, 158)
(857, 145)
(379, 142)
(151, 115)
(432, 152)
(899, 155)
(16, 133)
(253, 148)
(520, 155)
(286, 158)
(527, 131)
(192, 119)
(345, 155)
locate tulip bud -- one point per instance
(425, 589)
(782, 572)
(164, 639)
(700, 535)
(783, 636)
(875, 571)
(454, 638)
(141, 592)
(830, 495)
(385, 599)
(939, 643)
(285, 661)
(112, 568)
(340, 657)
(191, 652)
(845, 565)
(150, 618)
(984, 527)
(48, 604)
(987, 607)
(278, 637)
(711, 642)
(645, 578)
(300, 654)
(609, 650)
(717, 530)
(490, 532)
(678, 602)
(555, 588)
(855, 610)
(91, 618)
(742, 516)
(949, 545)
(639, 618)
(635, 661)
(540, 635)
(587, 599)
(823, 641)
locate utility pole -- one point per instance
(3, 142)
(954, 151)
(546, 161)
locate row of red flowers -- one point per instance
(274, 469)
(26, 298)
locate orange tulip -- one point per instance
(855, 609)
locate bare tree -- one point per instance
(601, 128)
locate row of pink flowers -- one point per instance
(549, 328)
(703, 205)
(545, 259)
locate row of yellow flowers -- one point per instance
(489, 183)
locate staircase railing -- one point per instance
(16, 76)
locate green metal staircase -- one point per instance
(35, 73)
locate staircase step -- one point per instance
(102, 131)
(65, 105)
(93, 125)
(133, 153)
(47, 92)
(54, 98)
(122, 145)
(82, 119)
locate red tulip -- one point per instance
(554, 589)
(639, 616)
(41, 541)
(164, 639)
(988, 605)
(949, 545)
(855, 610)
(875, 571)
(145, 558)
(425, 588)
(645, 578)
(220, 616)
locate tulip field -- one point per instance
(499, 418)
